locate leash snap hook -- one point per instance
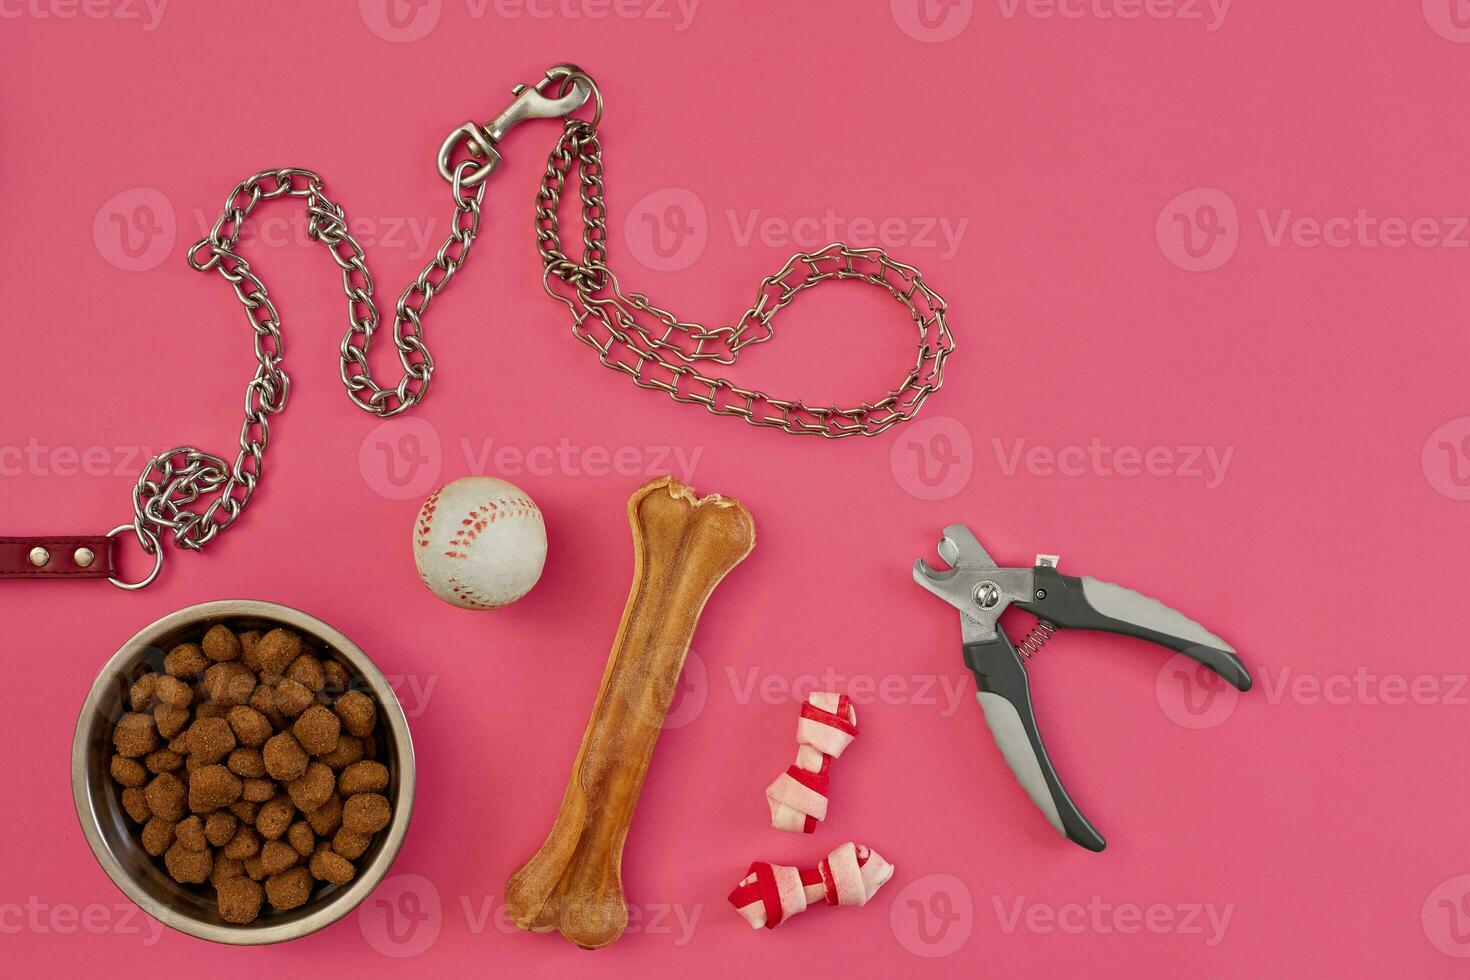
(531, 102)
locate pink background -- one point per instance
(1322, 812)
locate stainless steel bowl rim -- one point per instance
(390, 715)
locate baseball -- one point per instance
(479, 542)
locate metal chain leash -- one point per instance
(658, 351)
(629, 333)
(168, 489)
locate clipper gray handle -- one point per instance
(1004, 693)
(1089, 604)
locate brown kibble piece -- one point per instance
(255, 868)
(210, 710)
(350, 844)
(172, 691)
(363, 777)
(170, 721)
(239, 900)
(326, 818)
(158, 836)
(186, 866)
(327, 866)
(301, 838)
(292, 698)
(348, 751)
(164, 760)
(140, 695)
(288, 890)
(276, 856)
(245, 811)
(135, 735)
(358, 713)
(135, 804)
(284, 758)
(177, 744)
(210, 740)
(366, 813)
(246, 844)
(314, 788)
(128, 772)
(220, 644)
(225, 868)
(246, 763)
(258, 790)
(220, 827)
(275, 817)
(276, 650)
(229, 683)
(186, 662)
(166, 797)
(337, 679)
(190, 832)
(307, 671)
(264, 701)
(211, 787)
(317, 730)
(251, 728)
(248, 640)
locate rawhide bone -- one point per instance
(771, 893)
(798, 797)
(682, 547)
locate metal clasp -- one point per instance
(531, 102)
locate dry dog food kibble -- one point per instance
(249, 765)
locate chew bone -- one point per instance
(798, 797)
(682, 548)
(770, 893)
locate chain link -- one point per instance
(661, 352)
(174, 482)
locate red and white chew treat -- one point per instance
(798, 797)
(771, 893)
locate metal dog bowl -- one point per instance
(114, 837)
